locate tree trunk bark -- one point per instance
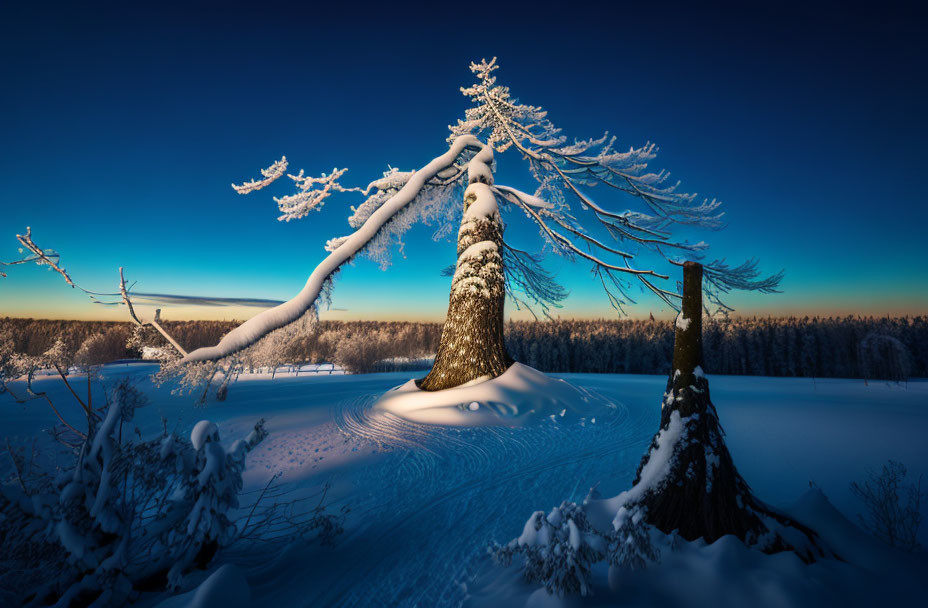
(687, 344)
(471, 345)
(703, 495)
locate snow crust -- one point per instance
(520, 395)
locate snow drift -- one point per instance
(520, 395)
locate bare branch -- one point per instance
(565, 242)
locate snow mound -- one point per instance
(224, 588)
(520, 395)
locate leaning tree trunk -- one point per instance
(471, 345)
(702, 494)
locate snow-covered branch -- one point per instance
(271, 174)
(311, 194)
(260, 325)
(46, 257)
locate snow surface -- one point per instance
(427, 499)
(224, 588)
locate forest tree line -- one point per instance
(894, 348)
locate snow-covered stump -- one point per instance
(686, 487)
(471, 345)
(687, 481)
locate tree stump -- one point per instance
(702, 494)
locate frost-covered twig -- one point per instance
(48, 257)
(309, 197)
(271, 174)
(17, 366)
(893, 507)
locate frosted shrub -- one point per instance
(893, 513)
(631, 547)
(559, 550)
(102, 348)
(359, 353)
(127, 514)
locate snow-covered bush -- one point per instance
(893, 506)
(127, 514)
(631, 547)
(559, 550)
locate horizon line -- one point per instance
(661, 317)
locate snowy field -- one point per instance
(425, 501)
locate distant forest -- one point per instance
(850, 347)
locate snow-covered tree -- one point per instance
(571, 222)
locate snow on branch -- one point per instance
(529, 199)
(391, 183)
(312, 192)
(565, 168)
(263, 323)
(430, 206)
(271, 174)
(42, 257)
(51, 259)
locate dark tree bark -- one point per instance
(704, 496)
(471, 344)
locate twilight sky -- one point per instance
(122, 129)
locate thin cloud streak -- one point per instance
(172, 299)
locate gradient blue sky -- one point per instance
(122, 129)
